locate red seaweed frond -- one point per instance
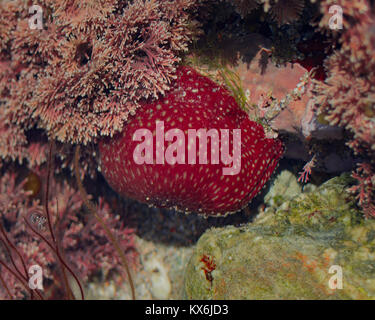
(365, 188)
(25, 238)
(112, 237)
(305, 174)
(209, 266)
(347, 96)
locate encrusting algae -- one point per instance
(291, 251)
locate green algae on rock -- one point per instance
(284, 187)
(287, 252)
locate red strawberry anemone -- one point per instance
(192, 150)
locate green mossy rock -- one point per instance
(287, 252)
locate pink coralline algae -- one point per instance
(365, 188)
(76, 79)
(81, 76)
(194, 102)
(84, 244)
(347, 96)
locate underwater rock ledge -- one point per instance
(287, 252)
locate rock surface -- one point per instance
(158, 275)
(289, 251)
